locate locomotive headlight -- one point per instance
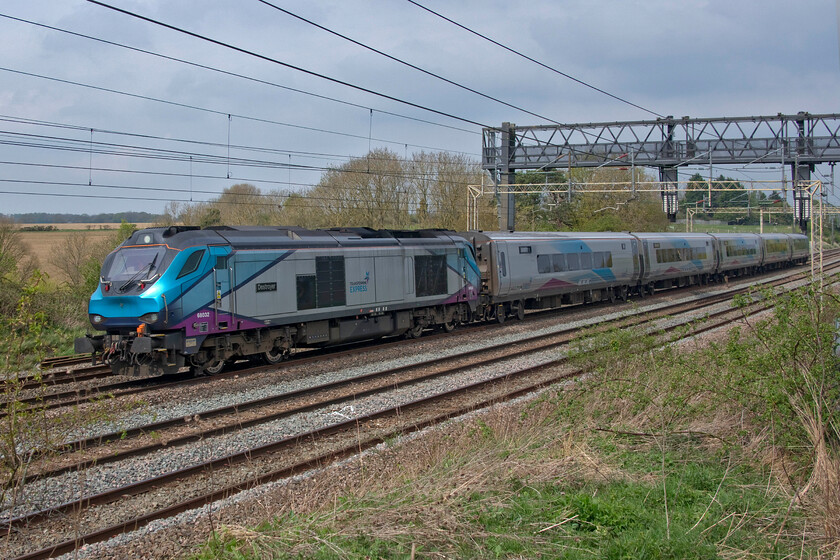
(149, 318)
(96, 319)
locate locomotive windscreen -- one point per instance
(130, 264)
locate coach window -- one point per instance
(586, 261)
(572, 261)
(559, 262)
(192, 263)
(502, 263)
(544, 264)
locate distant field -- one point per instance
(41, 243)
(78, 227)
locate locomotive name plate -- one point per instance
(267, 287)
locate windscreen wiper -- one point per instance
(137, 274)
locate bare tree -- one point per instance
(72, 254)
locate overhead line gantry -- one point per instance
(801, 141)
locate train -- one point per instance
(183, 296)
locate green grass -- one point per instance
(622, 518)
(661, 452)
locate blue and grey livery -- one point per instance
(183, 296)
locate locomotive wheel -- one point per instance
(214, 366)
(501, 315)
(450, 325)
(414, 332)
(274, 356)
(623, 293)
(519, 311)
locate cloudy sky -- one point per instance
(89, 125)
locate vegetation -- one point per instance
(727, 450)
(112, 218)
(60, 304)
(40, 318)
(662, 451)
(380, 190)
(615, 209)
(729, 193)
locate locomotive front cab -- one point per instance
(127, 294)
(131, 306)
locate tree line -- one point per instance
(729, 193)
(104, 217)
(430, 190)
(380, 190)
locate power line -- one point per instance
(234, 74)
(212, 111)
(286, 64)
(252, 180)
(547, 67)
(259, 149)
(403, 62)
(296, 197)
(127, 150)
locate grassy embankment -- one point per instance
(721, 451)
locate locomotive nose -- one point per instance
(116, 312)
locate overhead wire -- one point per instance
(259, 149)
(110, 90)
(405, 63)
(384, 203)
(535, 61)
(212, 111)
(234, 74)
(541, 64)
(79, 145)
(285, 64)
(233, 177)
(299, 69)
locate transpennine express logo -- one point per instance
(361, 286)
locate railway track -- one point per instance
(87, 394)
(352, 387)
(62, 377)
(62, 361)
(364, 430)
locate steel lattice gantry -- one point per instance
(801, 141)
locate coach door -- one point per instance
(502, 268)
(638, 261)
(223, 297)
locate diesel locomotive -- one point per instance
(182, 296)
